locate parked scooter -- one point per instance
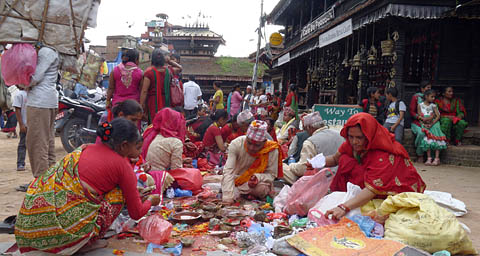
(73, 116)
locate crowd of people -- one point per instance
(251, 138)
(437, 119)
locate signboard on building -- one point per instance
(284, 59)
(318, 23)
(276, 39)
(155, 23)
(336, 115)
(336, 33)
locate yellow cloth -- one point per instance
(104, 68)
(415, 219)
(260, 164)
(219, 105)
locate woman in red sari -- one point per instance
(292, 99)
(372, 159)
(212, 141)
(155, 93)
(452, 112)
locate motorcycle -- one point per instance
(75, 119)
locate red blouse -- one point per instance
(226, 132)
(103, 169)
(210, 134)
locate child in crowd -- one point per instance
(395, 114)
(19, 103)
(11, 125)
(434, 139)
(2, 122)
(373, 105)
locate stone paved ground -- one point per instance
(462, 182)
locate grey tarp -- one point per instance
(64, 24)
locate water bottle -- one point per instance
(291, 160)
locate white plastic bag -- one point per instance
(280, 200)
(335, 198)
(447, 201)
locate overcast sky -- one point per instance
(236, 20)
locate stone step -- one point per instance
(465, 155)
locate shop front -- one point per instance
(385, 44)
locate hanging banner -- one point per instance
(336, 33)
(284, 59)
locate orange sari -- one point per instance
(260, 164)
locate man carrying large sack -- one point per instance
(42, 104)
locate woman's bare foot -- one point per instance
(100, 243)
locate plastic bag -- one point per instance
(182, 193)
(19, 64)
(155, 229)
(415, 219)
(306, 192)
(333, 199)
(300, 223)
(122, 223)
(365, 223)
(176, 250)
(281, 199)
(215, 187)
(447, 201)
(319, 218)
(207, 193)
(188, 179)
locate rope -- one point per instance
(44, 20)
(8, 12)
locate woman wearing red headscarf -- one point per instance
(372, 159)
(163, 142)
(163, 145)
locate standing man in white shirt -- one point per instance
(261, 101)
(42, 104)
(247, 98)
(192, 94)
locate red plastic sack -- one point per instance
(306, 192)
(155, 229)
(188, 179)
(19, 64)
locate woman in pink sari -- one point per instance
(125, 80)
(236, 101)
(163, 146)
